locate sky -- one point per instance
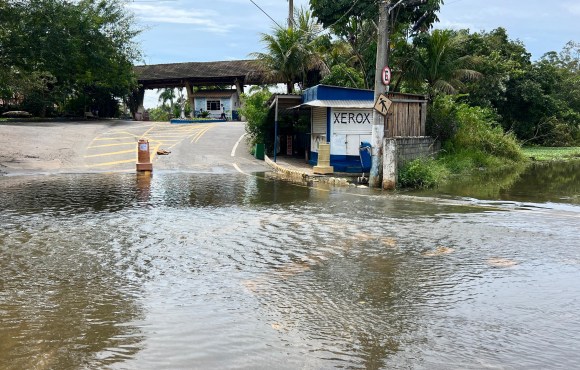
(213, 30)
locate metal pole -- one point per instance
(290, 14)
(378, 129)
(276, 129)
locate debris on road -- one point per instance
(162, 152)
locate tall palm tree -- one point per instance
(292, 52)
(438, 63)
(166, 94)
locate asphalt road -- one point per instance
(111, 146)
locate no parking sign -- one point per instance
(386, 76)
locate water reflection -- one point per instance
(538, 182)
(61, 297)
(212, 271)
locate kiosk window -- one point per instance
(213, 105)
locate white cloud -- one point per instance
(573, 8)
(166, 14)
(455, 25)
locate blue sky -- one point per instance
(204, 30)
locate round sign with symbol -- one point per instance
(386, 76)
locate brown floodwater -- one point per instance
(200, 271)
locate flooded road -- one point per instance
(212, 271)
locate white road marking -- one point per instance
(238, 169)
(233, 154)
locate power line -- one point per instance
(342, 16)
(263, 11)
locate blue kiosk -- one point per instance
(342, 117)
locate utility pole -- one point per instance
(378, 130)
(290, 14)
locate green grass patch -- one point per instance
(552, 153)
(422, 173)
(477, 144)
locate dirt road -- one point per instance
(111, 146)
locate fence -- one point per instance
(407, 115)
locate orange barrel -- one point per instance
(143, 156)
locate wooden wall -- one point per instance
(407, 115)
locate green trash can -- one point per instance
(259, 151)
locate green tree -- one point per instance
(438, 65)
(539, 108)
(166, 95)
(337, 13)
(354, 48)
(255, 110)
(87, 47)
(292, 52)
(343, 75)
(500, 60)
(355, 22)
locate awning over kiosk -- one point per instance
(354, 104)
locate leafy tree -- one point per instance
(499, 59)
(337, 13)
(355, 22)
(343, 75)
(355, 48)
(255, 110)
(85, 46)
(538, 101)
(437, 65)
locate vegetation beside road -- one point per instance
(552, 153)
(487, 96)
(64, 58)
(474, 141)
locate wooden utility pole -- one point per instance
(290, 14)
(378, 130)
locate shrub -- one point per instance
(255, 110)
(478, 130)
(422, 173)
(442, 121)
(472, 140)
(158, 114)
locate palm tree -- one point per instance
(292, 52)
(167, 94)
(438, 63)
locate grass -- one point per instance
(422, 173)
(552, 153)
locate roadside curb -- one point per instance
(297, 175)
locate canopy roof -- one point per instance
(248, 72)
(357, 104)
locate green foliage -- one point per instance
(86, 47)
(422, 173)
(354, 23)
(552, 153)
(355, 48)
(438, 65)
(538, 101)
(345, 76)
(291, 53)
(499, 60)
(474, 141)
(255, 110)
(472, 132)
(159, 114)
(337, 13)
(479, 131)
(442, 121)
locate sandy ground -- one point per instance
(69, 147)
(46, 147)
